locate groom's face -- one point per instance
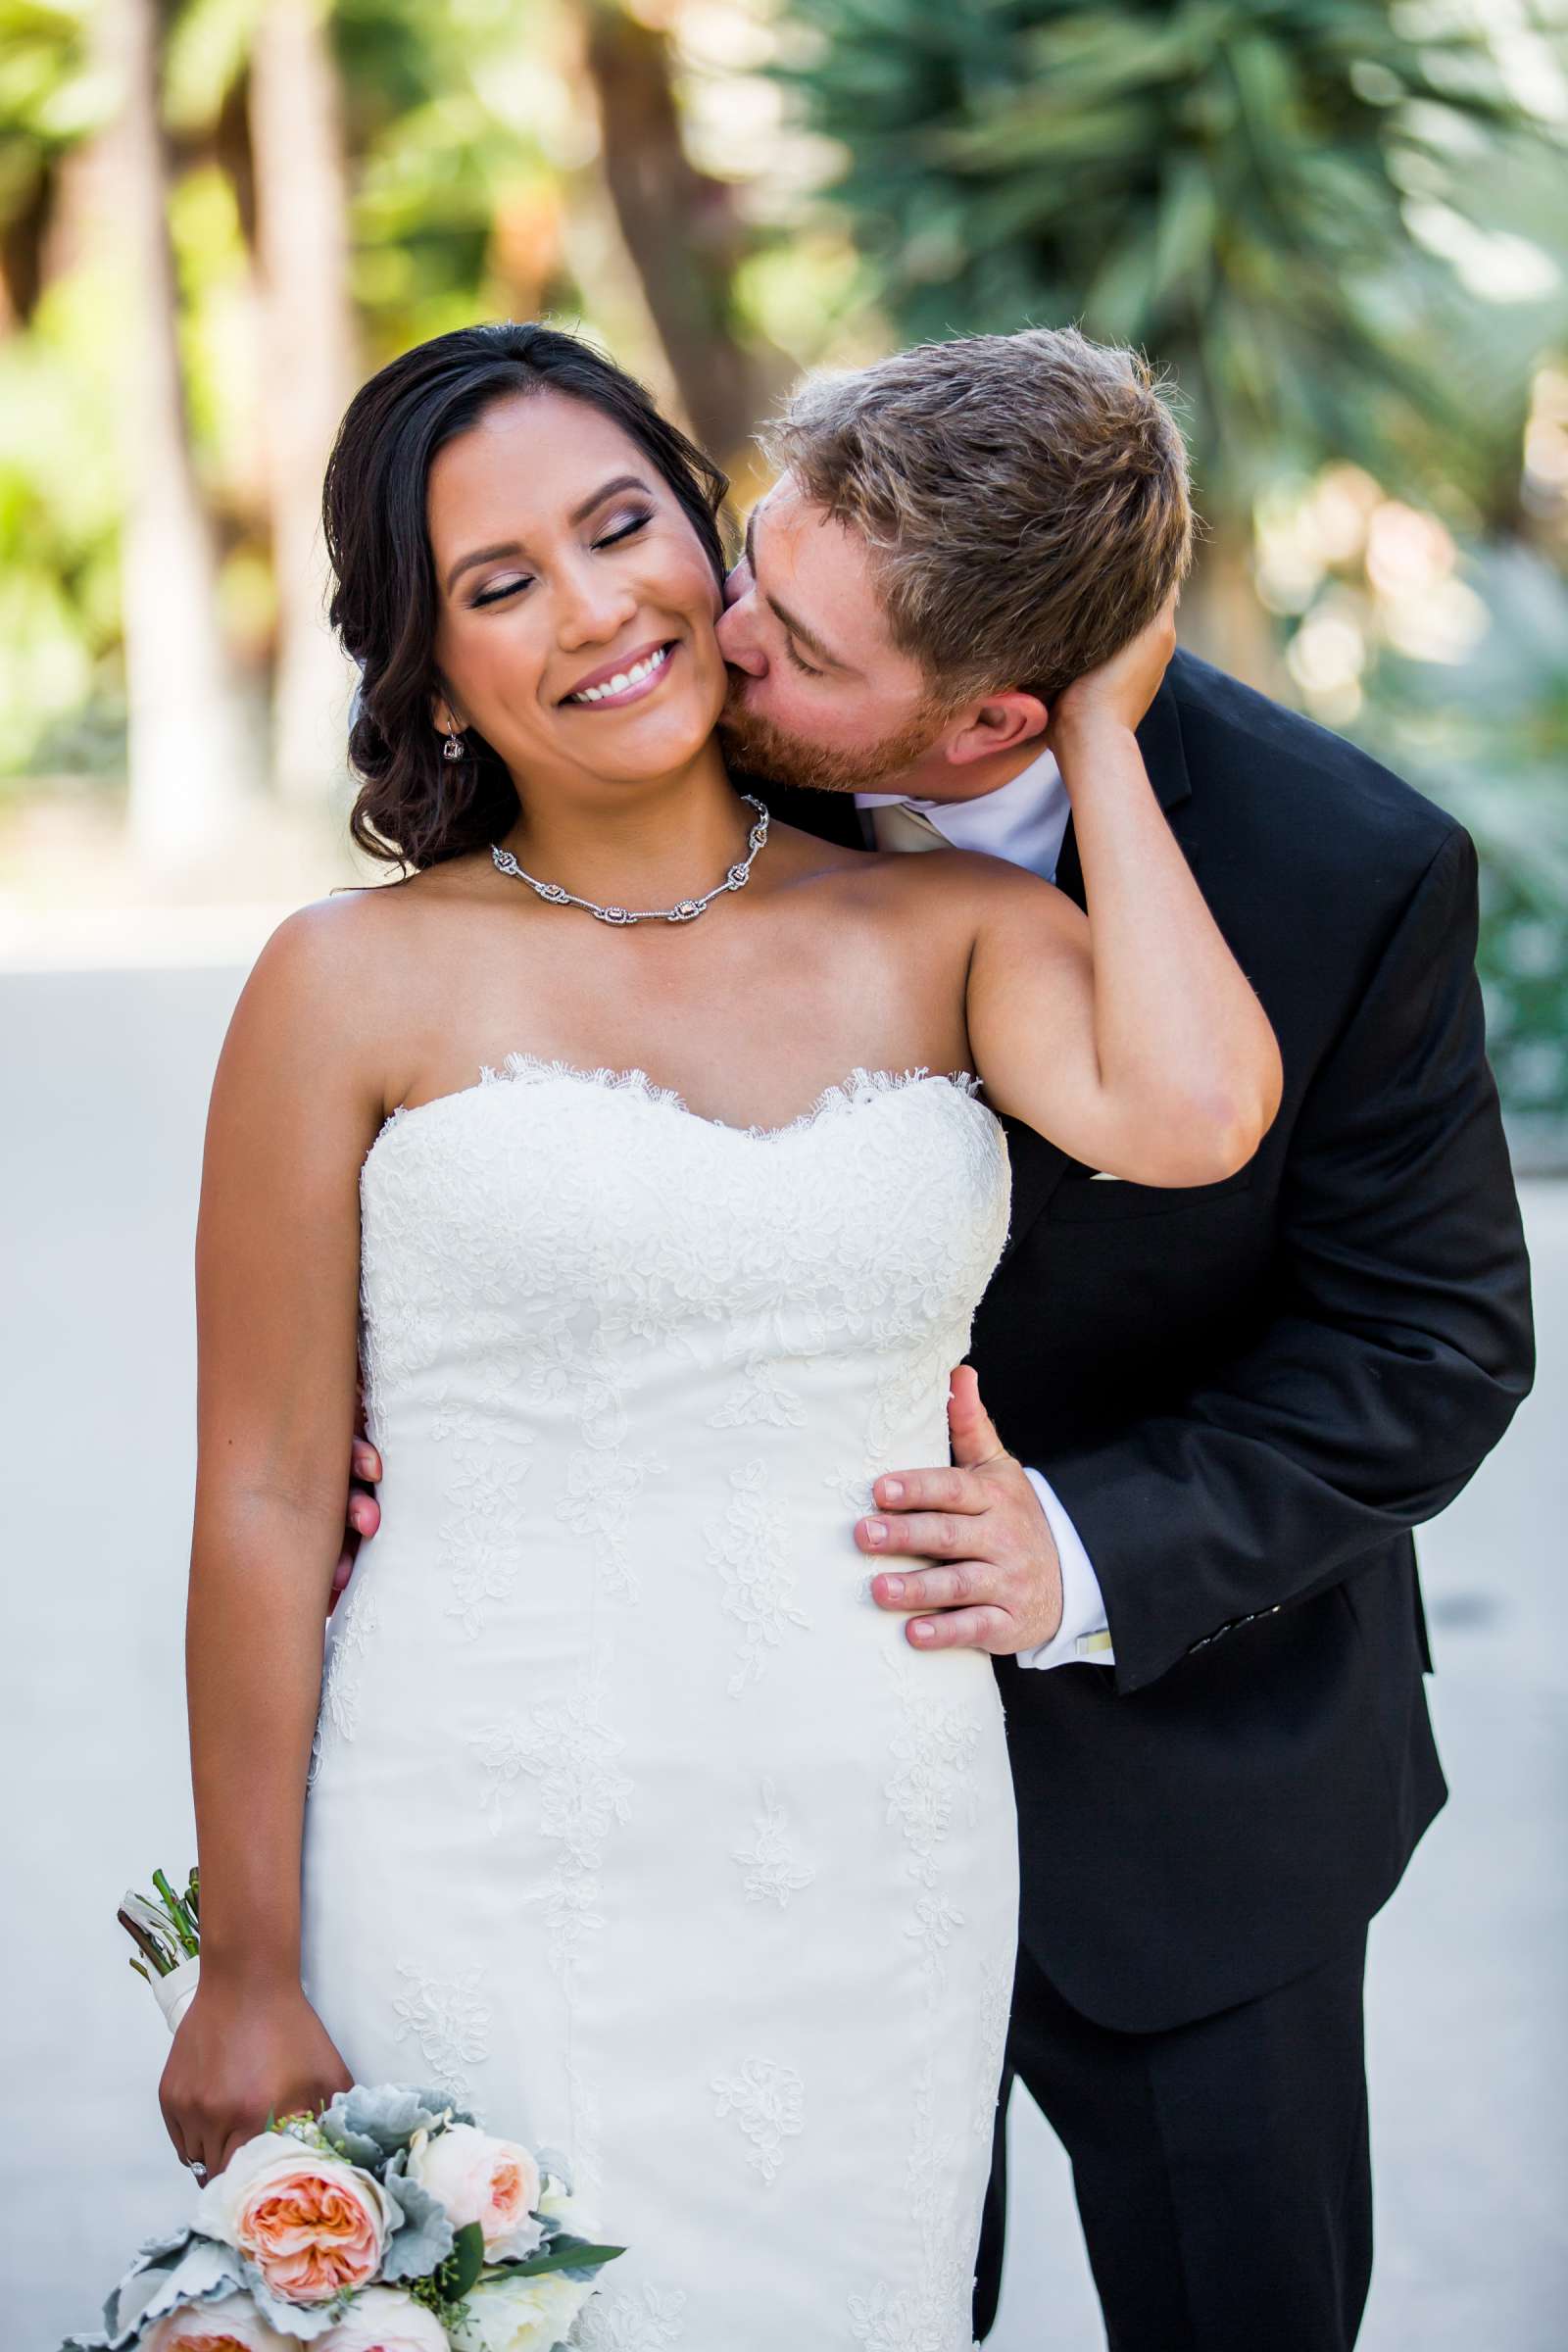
(819, 694)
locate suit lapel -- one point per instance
(1038, 1166)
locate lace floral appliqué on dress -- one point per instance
(773, 1869)
(448, 2020)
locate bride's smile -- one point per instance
(617, 683)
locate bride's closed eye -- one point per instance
(494, 596)
(625, 530)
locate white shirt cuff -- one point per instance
(1084, 1634)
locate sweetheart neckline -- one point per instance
(858, 1088)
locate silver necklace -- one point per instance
(685, 912)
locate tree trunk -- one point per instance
(310, 375)
(187, 752)
(679, 226)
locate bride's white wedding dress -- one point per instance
(633, 1821)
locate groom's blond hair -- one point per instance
(1025, 498)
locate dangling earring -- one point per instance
(454, 746)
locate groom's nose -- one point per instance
(736, 641)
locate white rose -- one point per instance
(521, 2314)
(492, 2181)
(557, 2206)
(225, 2324)
(383, 2319)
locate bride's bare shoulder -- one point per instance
(965, 884)
(363, 933)
(794, 846)
(335, 938)
(333, 974)
(320, 1036)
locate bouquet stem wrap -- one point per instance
(176, 1991)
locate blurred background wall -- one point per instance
(1340, 228)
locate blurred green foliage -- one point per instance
(1487, 736)
(1336, 224)
(1263, 195)
(59, 482)
(441, 106)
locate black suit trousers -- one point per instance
(1221, 2168)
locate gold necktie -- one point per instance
(898, 826)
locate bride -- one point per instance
(644, 1152)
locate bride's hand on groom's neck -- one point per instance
(1117, 694)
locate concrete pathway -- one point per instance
(104, 1078)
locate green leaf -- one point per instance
(465, 2261)
(563, 2253)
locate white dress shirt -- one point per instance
(1026, 822)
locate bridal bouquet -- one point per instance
(390, 2223)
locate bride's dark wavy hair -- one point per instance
(416, 808)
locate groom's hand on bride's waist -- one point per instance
(971, 1560)
(362, 1514)
(982, 1573)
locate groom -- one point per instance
(1223, 1407)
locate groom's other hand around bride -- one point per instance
(985, 1573)
(363, 1513)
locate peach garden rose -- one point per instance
(311, 2222)
(477, 2178)
(228, 2323)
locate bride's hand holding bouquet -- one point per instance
(247, 2042)
(245, 2049)
(367, 2218)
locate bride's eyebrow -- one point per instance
(513, 547)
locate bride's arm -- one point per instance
(1130, 1037)
(293, 1112)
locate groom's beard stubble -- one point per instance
(762, 749)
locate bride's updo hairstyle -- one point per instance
(414, 807)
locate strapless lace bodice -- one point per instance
(548, 1262)
(632, 1818)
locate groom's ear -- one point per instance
(1000, 723)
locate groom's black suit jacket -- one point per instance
(1248, 1392)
